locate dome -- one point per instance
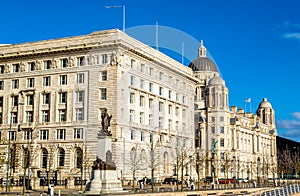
(265, 104)
(202, 63)
(216, 81)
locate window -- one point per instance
(80, 78)
(30, 82)
(183, 113)
(161, 75)
(131, 115)
(142, 83)
(160, 106)
(44, 134)
(29, 116)
(213, 130)
(27, 134)
(15, 100)
(151, 103)
(31, 66)
(62, 115)
(142, 99)
(132, 63)
(170, 109)
(177, 126)
(16, 68)
(132, 134)
(161, 121)
(63, 63)
(150, 87)
(60, 134)
(103, 93)
(13, 135)
(177, 97)
(170, 124)
(222, 142)
(1, 85)
(142, 117)
(131, 98)
(29, 100)
(78, 158)
(62, 97)
(14, 116)
(177, 111)
(212, 119)
(15, 84)
(46, 98)
(79, 96)
(1, 102)
(61, 157)
(221, 119)
(45, 116)
(131, 80)
(44, 158)
(26, 156)
(104, 59)
(170, 94)
(160, 91)
(142, 67)
(78, 132)
(2, 69)
(221, 129)
(79, 114)
(103, 75)
(47, 64)
(1, 121)
(151, 71)
(150, 119)
(80, 61)
(46, 81)
(63, 80)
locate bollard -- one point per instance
(58, 192)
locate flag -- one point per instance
(248, 100)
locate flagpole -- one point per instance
(124, 18)
(182, 53)
(156, 35)
(119, 6)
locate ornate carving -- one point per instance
(116, 60)
(38, 65)
(22, 67)
(105, 122)
(72, 61)
(54, 63)
(6, 68)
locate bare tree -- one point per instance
(226, 165)
(200, 162)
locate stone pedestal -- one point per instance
(104, 147)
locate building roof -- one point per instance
(265, 104)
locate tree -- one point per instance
(226, 164)
(200, 162)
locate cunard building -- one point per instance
(167, 119)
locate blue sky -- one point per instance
(255, 43)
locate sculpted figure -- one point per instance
(54, 63)
(38, 65)
(106, 118)
(22, 66)
(6, 68)
(72, 61)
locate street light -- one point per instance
(8, 147)
(234, 171)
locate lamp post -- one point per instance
(234, 171)
(258, 171)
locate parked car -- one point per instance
(240, 180)
(171, 180)
(208, 179)
(226, 180)
(148, 180)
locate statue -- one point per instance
(106, 118)
(97, 164)
(115, 59)
(214, 147)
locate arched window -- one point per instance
(44, 158)
(61, 157)
(78, 158)
(26, 158)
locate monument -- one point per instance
(104, 174)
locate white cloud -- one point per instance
(291, 35)
(296, 115)
(290, 128)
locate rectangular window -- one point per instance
(1, 102)
(161, 91)
(103, 93)
(46, 81)
(142, 136)
(161, 76)
(170, 124)
(104, 59)
(177, 126)
(78, 133)
(177, 111)
(15, 84)
(46, 98)
(29, 116)
(160, 106)
(131, 80)
(44, 134)
(170, 94)
(221, 119)
(150, 119)
(213, 130)
(45, 116)
(222, 142)
(170, 110)
(31, 66)
(79, 114)
(132, 63)
(131, 115)
(221, 129)
(63, 63)
(142, 99)
(47, 64)
(103, 75)
(2, 69)
(151, 103)
(132, 134)
(183, 113)
(30, 82)
(14, 117)
(1, 85)
(142, 67)
(79, 96)
(150, 87)
(80, 61)
(16, 68)
(62, 115)
(15, 100)
(29, 100)
(212, 119)
(13, 135)
(177, 97)
(62, 97)
(131, 98)
(142, 83)
(151, 71)
(61, 134)
(63, 80)
(80, 78)
(222, 155)
(161, 121)
(142, 118)
(27, 134)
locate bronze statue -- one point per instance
(106, 118)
